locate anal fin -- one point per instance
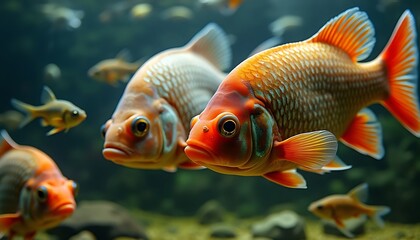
(364, 134)
(289, 178)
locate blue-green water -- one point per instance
(29, 42)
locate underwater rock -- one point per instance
(84, 235)
(106, 220)
(285, 225)
(222, 231)
(210, 212)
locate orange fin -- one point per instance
(7, 143)
(400, 57)
(190, 165)
(335, 165)
(170, 169)
(364, 134)
(290, 178)
(54, 131)
(233, 4)
(351, 31)
(311, 150)
(360, 192)
(8, 220)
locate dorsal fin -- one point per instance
(212, 43)
(360, 192)
(47, 95)
(351, 31)
(7, 143)
(123, 55)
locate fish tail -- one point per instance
(26, 108)
(400, 58)
(378, 212)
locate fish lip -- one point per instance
(195, 147)
(115, 152)
(65, 209)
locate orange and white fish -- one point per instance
(58, 113)
(34, 195)
(225, 7)
(115, 69)
(149, 126)
(284, 108)
(341, 208)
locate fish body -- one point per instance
(34, 195)
(284, 108)
(149, 126)
(114, 70)
(60, 114)
(340, 208)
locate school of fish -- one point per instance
(282, 109)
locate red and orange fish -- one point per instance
(34, 195)
(340, 208)
(149, 126)
(285, 107)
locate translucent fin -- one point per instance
(365, 134)
(212, 43)
(290, 178)
(400, 57)
(47, 95)
(26, 108)
(360, 192)
(7, 143)
(380, 211)
(336, 165)
(170, 169)
(54, 131)
(123, 55)
(312, 150)
(351, 31)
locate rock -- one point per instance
(105, 220)
(211, 212)
(286, 225)
(222, 231)
(84, 235)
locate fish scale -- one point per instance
(341, 86)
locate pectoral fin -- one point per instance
(365, 134)
(8, 220)
(312, 150)
(289, 178)
(54, 131)
(190, 165)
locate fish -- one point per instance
(339, 208)
(58, 113)
(52, 73)
(283, 23)
(11, 119)
(177, 13)
(113, 70)
(225, 7)
(141, 11)
(150, 124)
(285, 108)
(62, 17)
(34, 194)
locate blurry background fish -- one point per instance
(11, 119)
(225, 7)
(52, 73)
(62, 17)
(177, 13)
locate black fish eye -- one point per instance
(75, 187)
(103, 130)
(228, 125)
(140, 126)
(320, 207)
(74, 114)
(42, 193)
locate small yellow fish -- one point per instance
(340, 208)
(113, 70)
(34, 195)
(60, 114)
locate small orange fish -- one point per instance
(285, 108)
(340, 208)
(34, 195)
(113, 70)
(226, 7)
(60, 114)
(149, 126)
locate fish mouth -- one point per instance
(115, 152)
(65, 209)
(199, 154)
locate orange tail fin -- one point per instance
(400, 57)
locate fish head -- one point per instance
(145, 136)
(234, 133)
(105, 70)
(48, 199)
(73, 115)
(322, 209)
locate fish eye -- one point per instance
(193, 121)
(42, 193)
(140, 126)
(75, 188)
(228, 125)
(320, 207)
(75, 114)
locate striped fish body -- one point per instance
(149, 126)
(34, 195)
(285, 108)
